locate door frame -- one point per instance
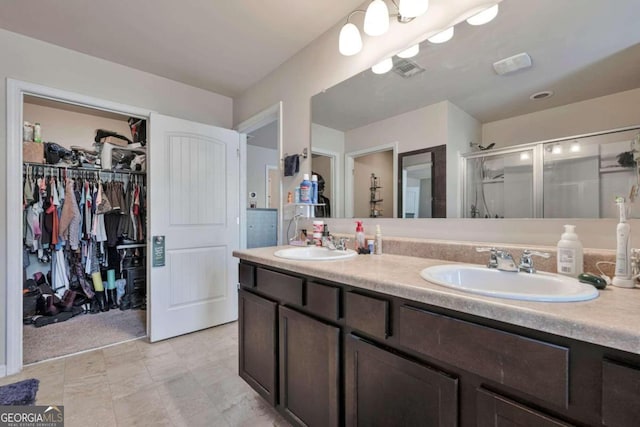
(349, 201)
(258, 120)
(16, 90)
(335, 160)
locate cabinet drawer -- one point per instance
(281, 287)
(620, 394)
(247, 275)
(533, 367)
(494, 410)
(367, 314)
(323, 300)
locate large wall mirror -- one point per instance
(585, 55)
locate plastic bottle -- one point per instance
(622, 277)
(305, 189)
(378, 241)
(360, 241)
(570, 256)
(314, 189)
(37, 133)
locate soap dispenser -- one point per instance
(570, 255)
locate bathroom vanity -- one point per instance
(368, 342)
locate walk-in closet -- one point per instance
(85, 215)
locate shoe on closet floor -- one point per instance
(39, 321)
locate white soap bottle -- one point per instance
(570, 255)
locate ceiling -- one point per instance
(222, 46)
(580, 50)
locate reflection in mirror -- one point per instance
(422, 183)
(587, 58)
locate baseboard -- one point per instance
(3, 371)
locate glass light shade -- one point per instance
(442, 36)
(350, 41)
(484, 16)
(376, 20)
(383, 66)
(557, 149)
(413, 8)
(410, 52)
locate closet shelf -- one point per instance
(617, 169)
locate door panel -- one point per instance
(193, 202)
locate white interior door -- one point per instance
(194, 204)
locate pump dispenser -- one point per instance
(622, 276)
(360, 241)
(570, 256)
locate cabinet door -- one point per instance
(309, 374)
(496, 411)
(257, 343)
(384, 389)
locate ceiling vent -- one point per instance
(406, 68)
(512, 64)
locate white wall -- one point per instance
(34, 61)
(257, 160)
(593, 115)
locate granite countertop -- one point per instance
(611, 320)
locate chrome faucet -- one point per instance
(341, 245)
(526, 262)
(499, 259)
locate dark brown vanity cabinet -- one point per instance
(309, 369)
(258, 343)
(496, 411)
(384, 389)
(327, 354)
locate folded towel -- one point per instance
(291, 165)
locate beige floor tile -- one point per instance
(186, 381)
(142, 408)
(127, 378)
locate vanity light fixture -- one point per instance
(376, 22)
(484, 16)
(557, 149)
(410, 52)
(383, 66)
(376, 19)
(575, 147)
(525, 156)
(442, 36)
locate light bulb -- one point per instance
(376, 20)
(575, 147)
(350, 41)
(383, 66)
(524, 156)
(442, 36)
(413, 8)
(484, 16)
(410, 52)
(557, 149)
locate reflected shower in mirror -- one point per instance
(456, 94)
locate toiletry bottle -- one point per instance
(360, 242)
(314, 189)
(622, 277)
(37, 135)
(570, 256)
(305, 189)
(378, 241)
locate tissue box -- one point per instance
(32, 152)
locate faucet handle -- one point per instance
(493, 257)
(526, 262)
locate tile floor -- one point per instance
(190, 380)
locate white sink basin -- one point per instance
(314, 253)
(503, 284)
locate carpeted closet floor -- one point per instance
(82, 332)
